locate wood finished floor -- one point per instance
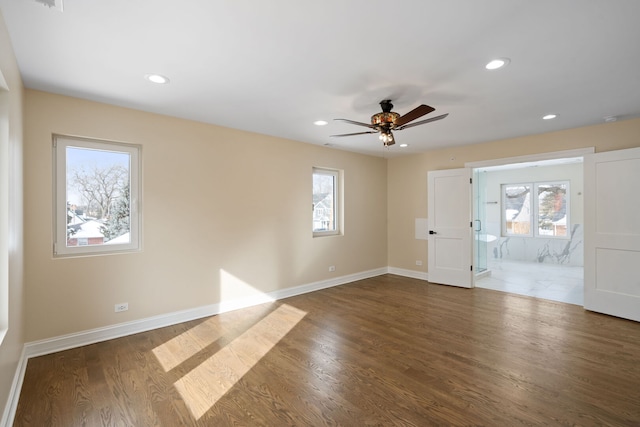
(384, 351)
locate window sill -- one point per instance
(326, 233)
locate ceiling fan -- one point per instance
(388, 121)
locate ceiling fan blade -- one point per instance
(352, 134)
(416, 113)
(357, 123)
(421, 122)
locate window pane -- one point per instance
(324, 208)
(517, 209)
(552, 209)
(98, 197)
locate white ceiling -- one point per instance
(276, 66)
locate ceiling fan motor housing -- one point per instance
(384, 119)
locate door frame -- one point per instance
(552, 155)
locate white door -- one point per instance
(449, 213)
(612, 233)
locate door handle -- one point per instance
(479, 225)
(432, 232)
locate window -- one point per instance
(553, 209)
(97, 196)
(545, 215)
(326, 195)
(516, 203)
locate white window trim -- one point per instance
(60, 248)
(337, 205)
(534, 208)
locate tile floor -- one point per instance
(547, 281)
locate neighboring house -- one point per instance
(82, 231)
(75, 216)
(322, 211)
(87, 233)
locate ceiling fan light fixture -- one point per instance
(387, 138)
(494, 64)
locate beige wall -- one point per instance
(221, 207)
(407, 176)
(11, 238)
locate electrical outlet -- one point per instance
(123, 306)
(418, 262)
(332, 268)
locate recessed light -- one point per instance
(157, 78)
(549, 117)
(404, 145)
(320, 122)
(610, 119)
(497, 63)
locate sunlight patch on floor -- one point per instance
(234, 294)
(186, 345)
(206, 384)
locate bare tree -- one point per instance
(99, 187)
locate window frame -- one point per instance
(505, 230)
(337, 201)
(60, 248)
(567, 208)
(534, 215)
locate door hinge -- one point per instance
(471, 224)
(471, 267)
(470, 180)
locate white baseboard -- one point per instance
(408, 273)
(79, 339)
(14, 393)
